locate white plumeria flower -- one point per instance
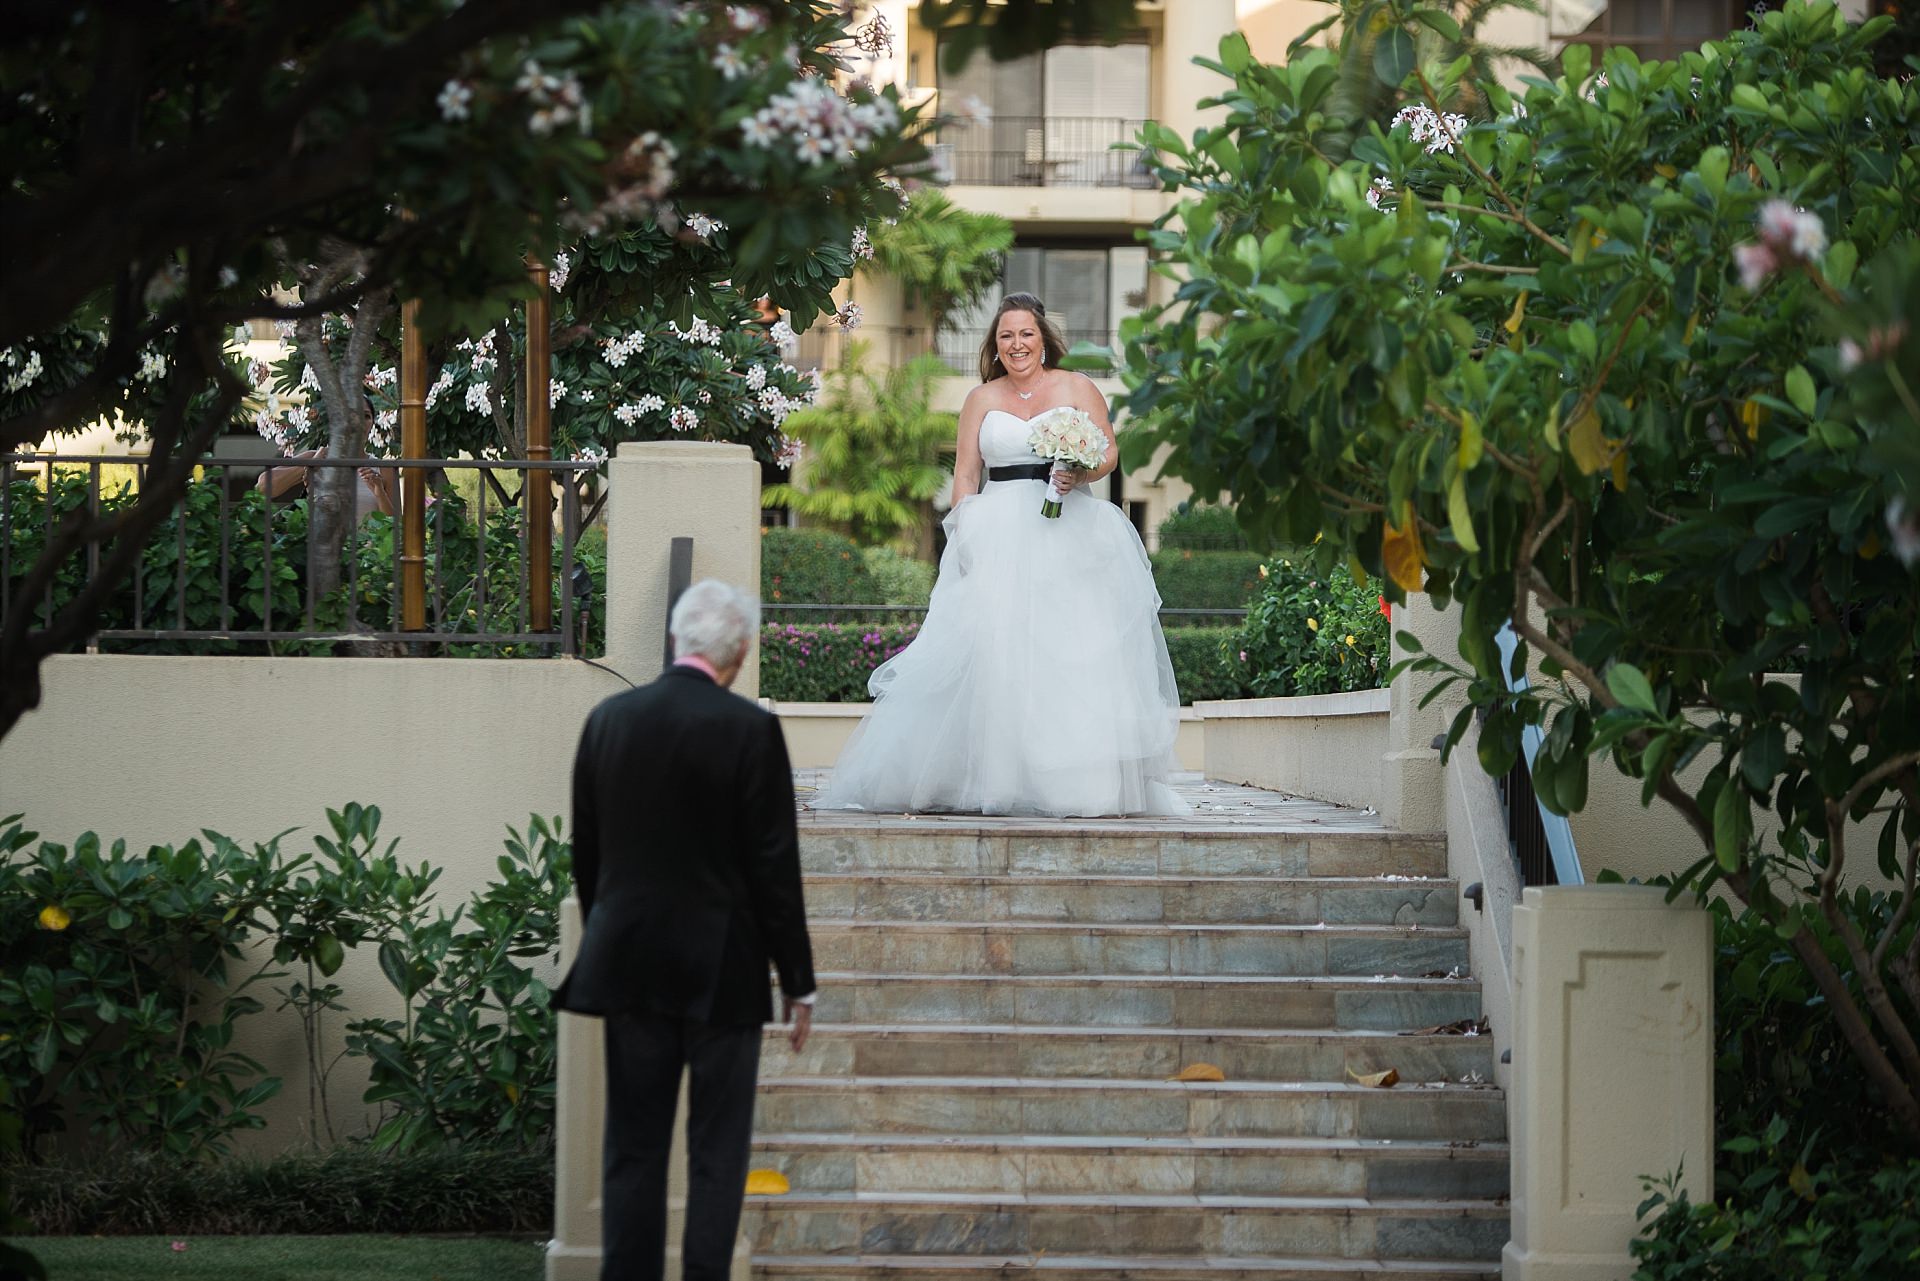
(561, 269)
(477, 399)
(455, 100)
(27, 372)
(650, 403)
(153, 366)
(728, 62)
(627, 413)
(756, 377)
(745, 19)
(848, 317)
(683, 418)
(790, 451)
(862, 246)
(1378, 188)
(556, 392)
(759, 131)
(703, 226)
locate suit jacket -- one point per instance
(685, 857)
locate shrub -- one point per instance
(1205, 580)
(350, 1188)
(826, 662)
(122, 985)
(814, 567)
(901, 580)
(1788, 1221)
(1202, 528)
(1308, 634)
(1201, 665)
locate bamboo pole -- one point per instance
(413, 480)
(538, 486)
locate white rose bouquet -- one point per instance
(1066, 437)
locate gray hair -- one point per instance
(715, 621)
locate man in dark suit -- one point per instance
(687, 863)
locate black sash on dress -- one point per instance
(1021, 471)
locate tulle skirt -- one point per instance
(1039, 683)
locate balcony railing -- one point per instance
(958, 349)
(1041, 151)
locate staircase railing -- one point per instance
(1542, 840)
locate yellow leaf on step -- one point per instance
(767, 1183)
(1377, 1080)
(1200, 1072)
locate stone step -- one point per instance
(984, 1105)
(1075, 1165)
(1002, 1224)
(1035, 947)
(977, 849)
(1112, 1268)
(1107, 1267)
(1002, 1049)
(1139, 1000)
(1093, 900)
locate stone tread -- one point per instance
(1344, 982)
(1150, 1267)
(778, 1032)
(923, 1084)
(989, 1202)
(1146, 928)
(1103, 1143)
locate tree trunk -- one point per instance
(333, 492)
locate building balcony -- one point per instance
(1041, 151)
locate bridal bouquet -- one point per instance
(1066, 437)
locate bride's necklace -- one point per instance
(1024, 395)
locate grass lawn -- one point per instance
(345, 1258)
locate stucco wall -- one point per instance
(1326, 746)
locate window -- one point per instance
(1088, 289)
(1651, 28)
(1055, 116)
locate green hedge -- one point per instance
(1308, 632)
(814, 567)
(902, 580)
(1201, 667)
(830, 662)
(1202, 528)
(350, 1188)
(1205, 580)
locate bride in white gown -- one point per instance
(1039, 683)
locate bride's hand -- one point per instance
(1066, 479)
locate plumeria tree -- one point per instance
(1628, 359)
(179, 170)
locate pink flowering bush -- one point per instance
(826, 662)
(1628, 359)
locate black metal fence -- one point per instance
(1042, 151)
(1525, 832)
(227, 571)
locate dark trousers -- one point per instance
(645, 1057)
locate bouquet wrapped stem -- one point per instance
(1069, 439)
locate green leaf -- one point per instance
(1749, 98)
(1393, 57)
(1732, 825)
(328, 954)
(1441, 22)
(1712, 167)
(1472, 443)
(1631, 687)
(1842, 259)
(1460, 516)
(1800, 390)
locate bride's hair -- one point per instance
(1052, 345)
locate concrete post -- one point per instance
(1612, 1072)
(1413, 793)
(574, 1252)
(668, 489)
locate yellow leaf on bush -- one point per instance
(1754, 415)
(54, 917)
(1588, 444)
(1871, 546)
(1199, 1072)
(1377, 1080)
(767, 1183)
(1519, 314)
(1620, 469)
(1402, 554)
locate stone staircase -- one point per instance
(1004, 1001)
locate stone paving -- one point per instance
(1215, 806)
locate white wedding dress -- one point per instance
(1039, 683)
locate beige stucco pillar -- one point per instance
(1413, 797)
(1612, 1071)
(574, 1252)
(668, 489)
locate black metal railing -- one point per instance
(778, 611)
(1042, 151)
(227, 571)
(1542, 841)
